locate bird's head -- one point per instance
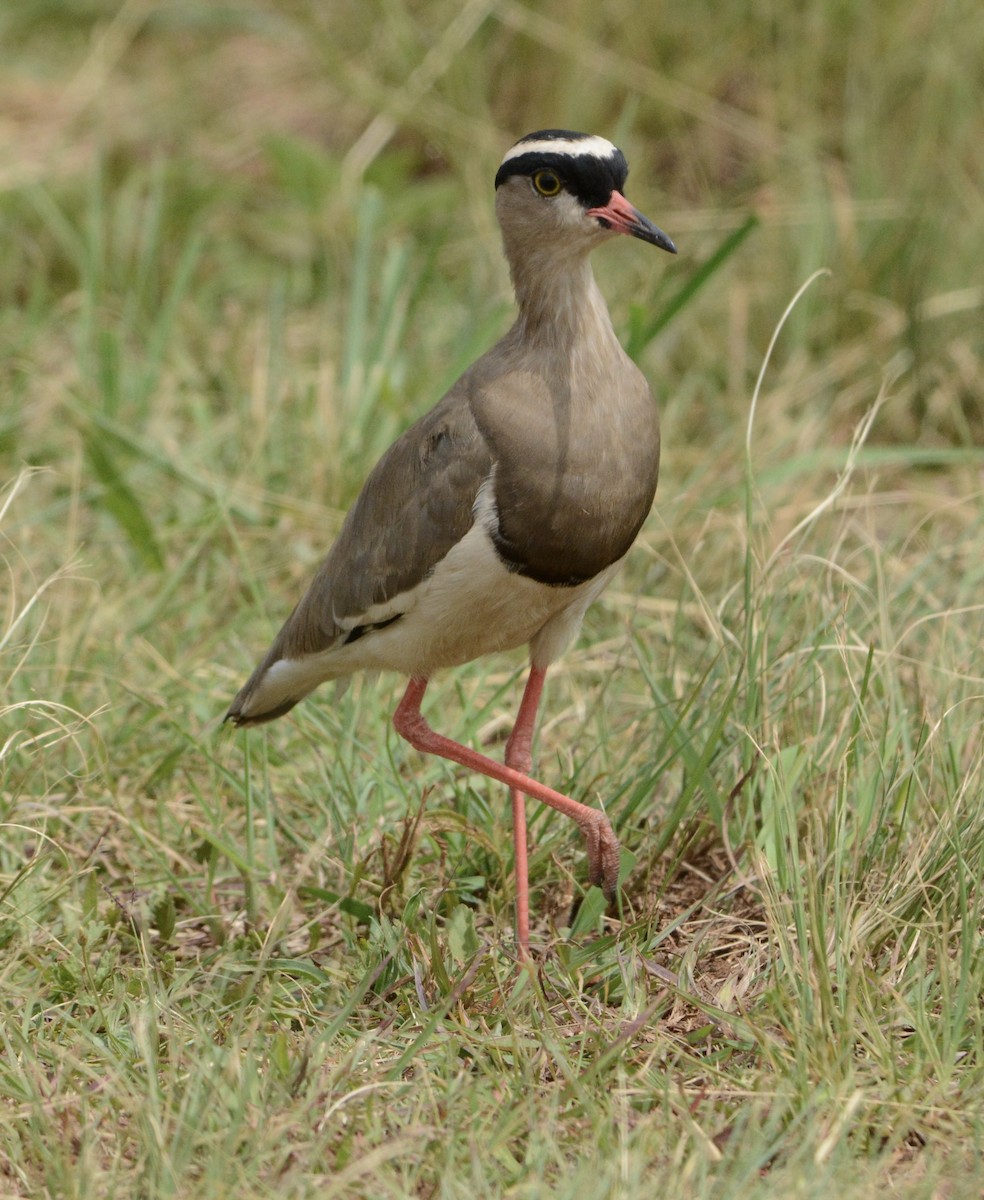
(564, 188)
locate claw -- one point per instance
(604, 854)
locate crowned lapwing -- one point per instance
(498, 517)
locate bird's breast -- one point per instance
(575, 475)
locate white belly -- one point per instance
(468, 606)
(472, 605)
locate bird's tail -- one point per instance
(273, 689)
(239, 716)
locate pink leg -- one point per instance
(519, 756)
(602, 845)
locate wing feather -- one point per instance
(415, 505)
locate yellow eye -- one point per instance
(546, 183)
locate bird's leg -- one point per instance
(519, 756)
(602, 845)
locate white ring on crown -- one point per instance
(597, 147)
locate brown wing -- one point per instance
(415, 505)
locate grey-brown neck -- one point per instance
(560, 305)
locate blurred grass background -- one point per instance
(244, 246)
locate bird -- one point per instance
(498, 517)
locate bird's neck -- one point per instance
(560, 305)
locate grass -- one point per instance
(245, 245)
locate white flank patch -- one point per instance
(599, 147)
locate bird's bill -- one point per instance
(621, 217)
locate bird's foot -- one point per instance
(604, 853)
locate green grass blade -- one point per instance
(122, 503)
(642, 332)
